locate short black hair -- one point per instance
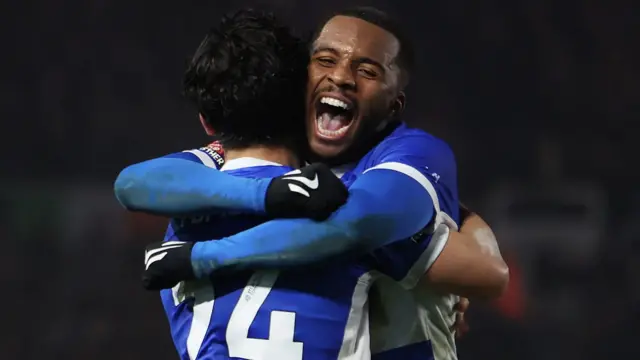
(406, 54)
(247, 80)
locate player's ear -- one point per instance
(399, 104)
(207, 127)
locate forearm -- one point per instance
(178, 187)
(369, 219)
(276, 244)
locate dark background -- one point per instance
(539, 99)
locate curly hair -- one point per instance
(247, 80)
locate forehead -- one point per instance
(351, 35)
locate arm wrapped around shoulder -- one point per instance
(470, 264)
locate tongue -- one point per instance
(333, 123)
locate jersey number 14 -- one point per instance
(280, 344)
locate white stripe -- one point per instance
(204, 158)
(177, 293)
(416, 175)
(245, 162)
(154, 259)
(173, 242)
(150, 253)
(442, 223)
(299, 190)
(429, 255)
(355, 343)
(202, 312)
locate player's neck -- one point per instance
(278, 155)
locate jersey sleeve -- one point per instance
(431, 163)
(179, 185)
(390, 202)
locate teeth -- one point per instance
(330, 133)
(334, 102)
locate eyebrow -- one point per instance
(324, 48)
(360, 60)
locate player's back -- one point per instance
(308, 314)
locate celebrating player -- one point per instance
(404, 179)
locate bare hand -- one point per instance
(460, 326)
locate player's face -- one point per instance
(353, 87)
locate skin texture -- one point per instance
(354, 61)
(474, 247)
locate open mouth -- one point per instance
(333, 117)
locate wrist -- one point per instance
(204, 258)
(240, 193)
(260, 195)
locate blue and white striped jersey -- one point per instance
(307, 313)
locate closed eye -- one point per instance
(325, 61)
(368, 73)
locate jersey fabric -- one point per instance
(310, 313)
(406, 322)
(288, 315)
(411, 324)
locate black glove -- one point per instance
(166, 264)
(312, 192)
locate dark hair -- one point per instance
(406, 54)
(247, 79)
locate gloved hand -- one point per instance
(166, 264)
(311, 192)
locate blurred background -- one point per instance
(539, 99)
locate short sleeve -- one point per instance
(426, 159)
(430, 162)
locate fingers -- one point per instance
(460, 326)
(462, 305)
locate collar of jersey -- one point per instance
(340, 170)
(245, 162)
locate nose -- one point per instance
(342, 76)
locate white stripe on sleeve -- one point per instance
(415, 175)
(204, 158)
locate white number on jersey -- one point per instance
(280, 344)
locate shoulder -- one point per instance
(413, 145)
(260, 171)
(211, 155)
